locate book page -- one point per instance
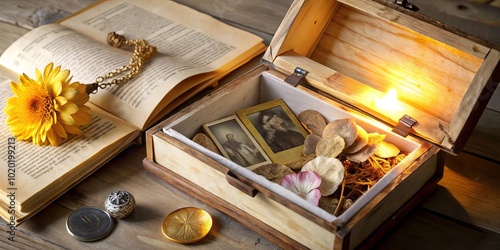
(192, 41)
(87, 59)
(38, 174)
(192, 48)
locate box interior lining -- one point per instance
(266, 87)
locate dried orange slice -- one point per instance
(187, 225)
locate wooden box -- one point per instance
(338, 57)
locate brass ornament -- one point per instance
(187, 225)
(142, 52)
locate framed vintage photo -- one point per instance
(276, 129)
(235, 142)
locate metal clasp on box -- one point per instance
(407, 5)
(404, 126)
(296, 77)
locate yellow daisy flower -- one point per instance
(46, 109)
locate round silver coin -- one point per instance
(89, 223)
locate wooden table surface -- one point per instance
(462, 213)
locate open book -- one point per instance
(194, 52)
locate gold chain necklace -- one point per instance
(142, 52)
(46, 109)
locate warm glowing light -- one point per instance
(389, 102)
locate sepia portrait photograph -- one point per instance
(235, 142)
(276, 129)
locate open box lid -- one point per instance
(356, 51)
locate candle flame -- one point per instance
(389, 101)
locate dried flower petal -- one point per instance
(330, 170)
(313, 120)
(305, 184)
(363, 154)
(360, 141)
(330, 147)
(273, 171)
(386, 150)
(345, 128)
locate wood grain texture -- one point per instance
(245, 14)
(428, 227)
(470, 192)
(359, 95)
(425, 230)
(9, 35)
(385, 55)
(485, 137)
(32, 13)
(154, 199)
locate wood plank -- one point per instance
(473, 19)
(10, 34)
(25, 240)
(155, 199)
(469, 192)
(360, 96)
(385, 55)
(256, 15)
(474, 101)
(494, 103)
(428, 27)
(32, 13)
(485, 137)
(424, 230)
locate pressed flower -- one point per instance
(305, 184)
(46, 109)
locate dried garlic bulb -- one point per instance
(330, 170)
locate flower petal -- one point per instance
(305, 184)
(46, 109)
(314, 196)
(66, 119)
(68, 108)
(310, 179)
(59, 129)
(56, 88)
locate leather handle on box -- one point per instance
(233, 180)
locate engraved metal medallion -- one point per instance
(120, 204)
(89, 223)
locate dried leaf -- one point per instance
(273, 171)
(359, 143)
(363, 154)
(330, 147)
(299, 163)
(386, 150)
(330, 170)
(206, 142)
(345, 128)
(374, 138)
(313, 121)
(310, 144)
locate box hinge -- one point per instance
(404, 125)
(296, 77)
(405, 4)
